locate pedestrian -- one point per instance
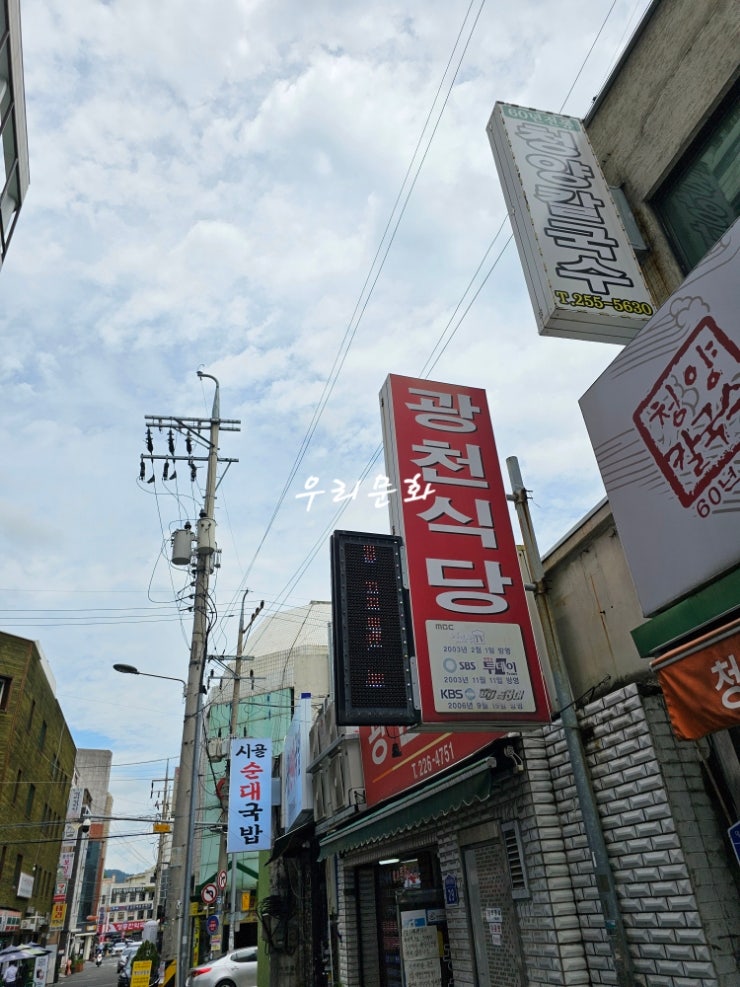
(11, 974)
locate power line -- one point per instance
(433, 359)
(372, 279)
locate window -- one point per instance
(42, 735)
(4, 692)
(2, 861)
(700, 200)
(31, 712)
(17, 785)
(29, 799)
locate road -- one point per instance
(105, 975)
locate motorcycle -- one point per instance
(98, 959)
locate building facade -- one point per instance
(91, 781)
(127, 905)
(37, 756)
(13, 126)
(285, 656)
(484, 873)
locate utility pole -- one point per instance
(177, 930)
(605, 883)
(233, 726)
(165, 828)
(70, 919)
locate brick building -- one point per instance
(37, 756)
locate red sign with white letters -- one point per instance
(395, 759)
(477, 662)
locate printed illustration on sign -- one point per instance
(480, 667)
(690, 420)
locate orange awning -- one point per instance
(701, 682)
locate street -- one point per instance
(105, 975)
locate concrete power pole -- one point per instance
(233, 723)
(176, 938)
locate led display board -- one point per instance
(371, 631)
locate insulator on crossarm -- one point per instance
(142, 469)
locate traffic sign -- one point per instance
(221, 879)
(209, 894)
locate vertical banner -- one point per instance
(582, 274)
(475, 650)
(250, 796)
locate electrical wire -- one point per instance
(371, 279)
(434, 356)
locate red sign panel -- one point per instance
(477, 663)
(397, 758)
(701, 683)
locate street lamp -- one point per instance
(82, 830)
(183, 917)
(133, 670)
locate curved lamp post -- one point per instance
(182, 917)
(133, 670)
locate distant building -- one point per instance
(37, 757)
(15, 177)
(287, 655)
(128, 904)
(92, 776)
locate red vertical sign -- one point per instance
(477, 662)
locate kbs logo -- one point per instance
(451, 694)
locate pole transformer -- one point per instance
(205, 433)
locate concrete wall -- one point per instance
(671, 80)
(676, 878)
(594, 604)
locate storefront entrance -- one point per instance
(498, 955)
(402, 923)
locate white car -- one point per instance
(237, 969)
(117, 948)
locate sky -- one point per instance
(297, 197)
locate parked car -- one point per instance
(237, 969)
(117, 948)
(129, 949)
(124, 972)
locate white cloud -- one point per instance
(209, 186)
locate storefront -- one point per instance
(419, 881)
